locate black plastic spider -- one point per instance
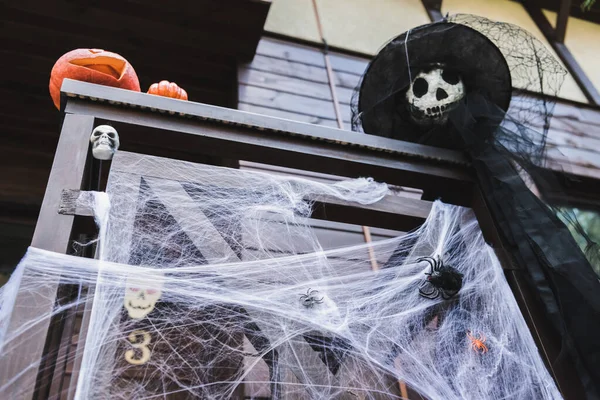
(309, 299)
(442, 280)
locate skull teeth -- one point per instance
(433, 113)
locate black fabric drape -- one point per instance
(538, 241)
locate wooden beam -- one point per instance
(562, 18)
(278, 148)
(392, 212)
(434, 9)
(592, 15)
(136, 101)
(22, 356)
(560, 367)
(220, 132)
(585, 84)
(544, 335)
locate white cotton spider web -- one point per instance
(231, 320)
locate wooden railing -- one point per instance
(200, 133)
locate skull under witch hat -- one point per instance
(484, 87)
(419, 78)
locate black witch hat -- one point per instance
(420, 77)
(449, 84)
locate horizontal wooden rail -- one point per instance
(161, 105)
(161, 126)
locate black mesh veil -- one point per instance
(500, 118)
(491, 57)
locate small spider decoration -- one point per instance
(442, 280)
(309, 299)
(478, 343)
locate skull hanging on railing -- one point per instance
(433, 94)
(105, 142)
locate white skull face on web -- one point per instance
(141, 295)
(433, 94)
(105, 142)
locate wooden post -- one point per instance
(434, 9)
(562, 18)
(22, 357)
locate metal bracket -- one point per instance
(70, 204)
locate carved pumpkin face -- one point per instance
(94, 66)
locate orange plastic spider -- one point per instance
(478, 344)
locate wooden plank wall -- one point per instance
(288, 80)
(574, 140)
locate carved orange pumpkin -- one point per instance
(168, 89)
(95, 66)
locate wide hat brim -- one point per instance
(382, 103)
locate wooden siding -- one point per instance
(289, 81)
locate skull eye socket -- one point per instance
(97, 133)
(420, 87)
(110, 135)
(451, 77)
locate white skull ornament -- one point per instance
(433, 94)
(141, 295)
(105, 142)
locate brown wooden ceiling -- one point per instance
(196, 43)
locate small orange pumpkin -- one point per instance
(168, 89)
(95, 66)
